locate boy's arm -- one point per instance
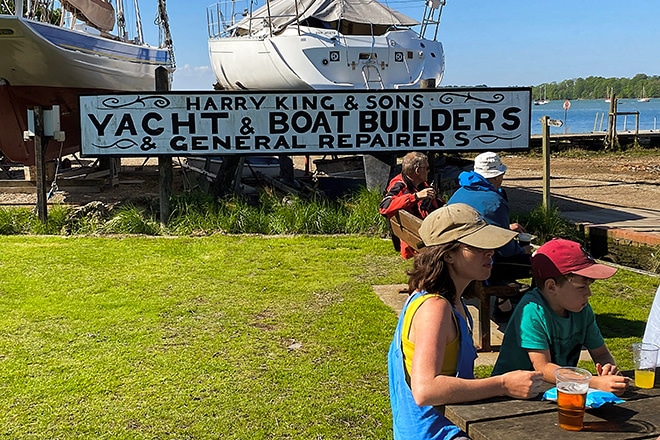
(612, 381)
(541, 361)
(608, 378)
(604, 361)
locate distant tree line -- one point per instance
(597, 87)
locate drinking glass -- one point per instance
(572, 387)
(645, 358)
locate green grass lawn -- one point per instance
(233, 337)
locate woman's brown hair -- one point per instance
(430, 272)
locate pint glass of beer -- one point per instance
(572, 387)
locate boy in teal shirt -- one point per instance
(553, 321)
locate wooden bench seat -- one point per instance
(406, 227)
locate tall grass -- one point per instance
(547, 223)
(198, 213)
(356, 213)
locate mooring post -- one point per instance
(40, 143)
(164, 162)
(610, 140)
(545, 128)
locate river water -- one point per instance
(586, 116)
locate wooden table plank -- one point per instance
(637, 418)
(494, 409)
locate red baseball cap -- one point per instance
(560, 257)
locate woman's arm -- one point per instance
(432, 329)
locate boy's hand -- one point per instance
(611, 382)
(607, 369)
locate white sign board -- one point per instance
(314, 122)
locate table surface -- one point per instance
(501, 418)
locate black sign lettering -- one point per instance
(306, 122)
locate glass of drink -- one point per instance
(525, 239)
(645, 358)
(572, 387)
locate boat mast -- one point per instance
(270, 19)
(164, 24)
(138, 23)
(121, 21)
(18, 8)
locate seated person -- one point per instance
(482, 189)
(553, 321)
(652, 331)
(431, 357)
(409, 191)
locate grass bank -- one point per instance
(233, 336)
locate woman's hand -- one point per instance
(522, 384)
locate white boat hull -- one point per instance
(325, 59)
(45, 65)
(40, 54)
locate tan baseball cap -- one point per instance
(462, 223)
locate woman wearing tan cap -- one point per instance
(431, 358)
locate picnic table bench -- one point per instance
(504, 418)
(406, 227)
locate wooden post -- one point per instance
(40, 143)
(164, 162)
(610, 140)
(546, 161)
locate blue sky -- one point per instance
(497, 43)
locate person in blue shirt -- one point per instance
(482, 189)
(431, 357)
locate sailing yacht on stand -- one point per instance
(52, 51)
(323, 44)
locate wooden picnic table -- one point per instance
(637, 418)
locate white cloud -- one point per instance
(188, 77)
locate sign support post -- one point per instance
(164, 162)
(546, 161)
(546, 123)
(40, 142)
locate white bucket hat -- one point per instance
(489, 165)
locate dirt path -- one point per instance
(607, 181)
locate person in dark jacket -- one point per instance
(482, 189)
(410, 191)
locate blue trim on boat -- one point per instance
(97, 45)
